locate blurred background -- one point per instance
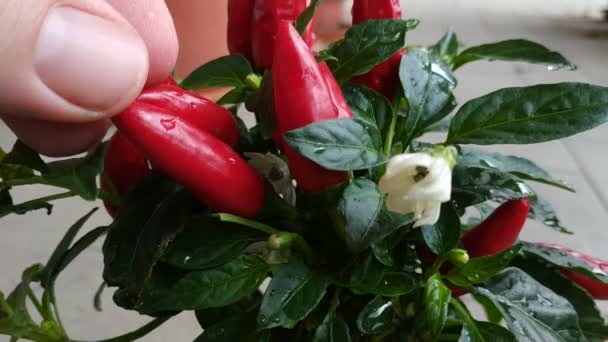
(575, 28)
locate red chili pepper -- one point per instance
(124, 167)
(383, 78)
(240, 15)
(201, 162)
(499, 231)
(597, 289)
(196, 110)
(336, 93)
(267, 14)
(302, 97)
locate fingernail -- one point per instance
(90, 61)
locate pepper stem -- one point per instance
(225, 217)
(253, 81)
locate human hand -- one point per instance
(67, 66)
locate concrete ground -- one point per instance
(580, 160)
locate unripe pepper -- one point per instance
(124, 167)
(240, 18)
(301, 97)
(201, 162)
(197, 110)
(267, 14)
(499, 231)
(384, 78)
(597, 289)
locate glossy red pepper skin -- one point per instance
(596, 289)
(124, 167)
(375, 9)
(337, 96)
(267, 14)
(301, 97)
(499, 231)
(196, 110)
(202, 163)
(240, 18)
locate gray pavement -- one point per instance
(582, 160)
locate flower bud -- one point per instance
(458, 256)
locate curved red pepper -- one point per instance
(499, 231)
(384, 78)
(201, 162)
(267, 14)
(124, 167)
(301, 97)
(198, 111)
(240, 15)
(597, 289)
(335, 92)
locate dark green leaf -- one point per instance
(15, 319)
(447, 47)
(376, 317)
(368, 106)
(543, 211)
(441, 126)
(366, 219)
(437, 301)
(332, 329)
(473, 185)
(79, 174)
(79, 246)
(226, 71)
(239, 327)
(564, 260)
(516, 50)
(517, 166)
(210, 317)
(234, 96)
(532, 311)
(382, 252)
(292, 294)
(367, 45)
(304, 19)
(489, 332)
(491, 311)
(207, 243)
(444, 235)
(427, 90)
(370, 276)
(23, 155)
(478, 270)
(175, 291)
(52, 268)
(530, 114)
(590, 318)
(343, 144)
(7, 207)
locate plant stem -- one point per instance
(35, 301)
(141, 332)
(224, 217)
(388, 143)
(24, 181)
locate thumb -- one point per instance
(68, 60)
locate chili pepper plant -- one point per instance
(363, 231)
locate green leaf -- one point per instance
(370, 276)
(291, 296)
(543, 211)
(234, 96)
(304, 19)
(7, 206)
(210, 317)
(366, 219)
(447, 47)
(488, 331)
(376, 317)
(332, 329)
(169, 290)
(478, 270)
(491, 311)
(17, 300)
(239, 327)
(517, 166)
(444, 235)
(529, 115)
(515, 50)
(78, 175)
(52, 268)
(226, 71)
(368, 106)
(342, 145)
(532, 311)
(79, 246)
(23, 155)
(590, 318)
(143, 228)
(473, 185)
(428, 93)
(367, 45)
(206, 243)
(437, 301)
(564, 260)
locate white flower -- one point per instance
(418, 183)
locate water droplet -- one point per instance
(232, 161)
(552, 67)
(187, 259)
(319, 149)
(168, 124)
(598, 271)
